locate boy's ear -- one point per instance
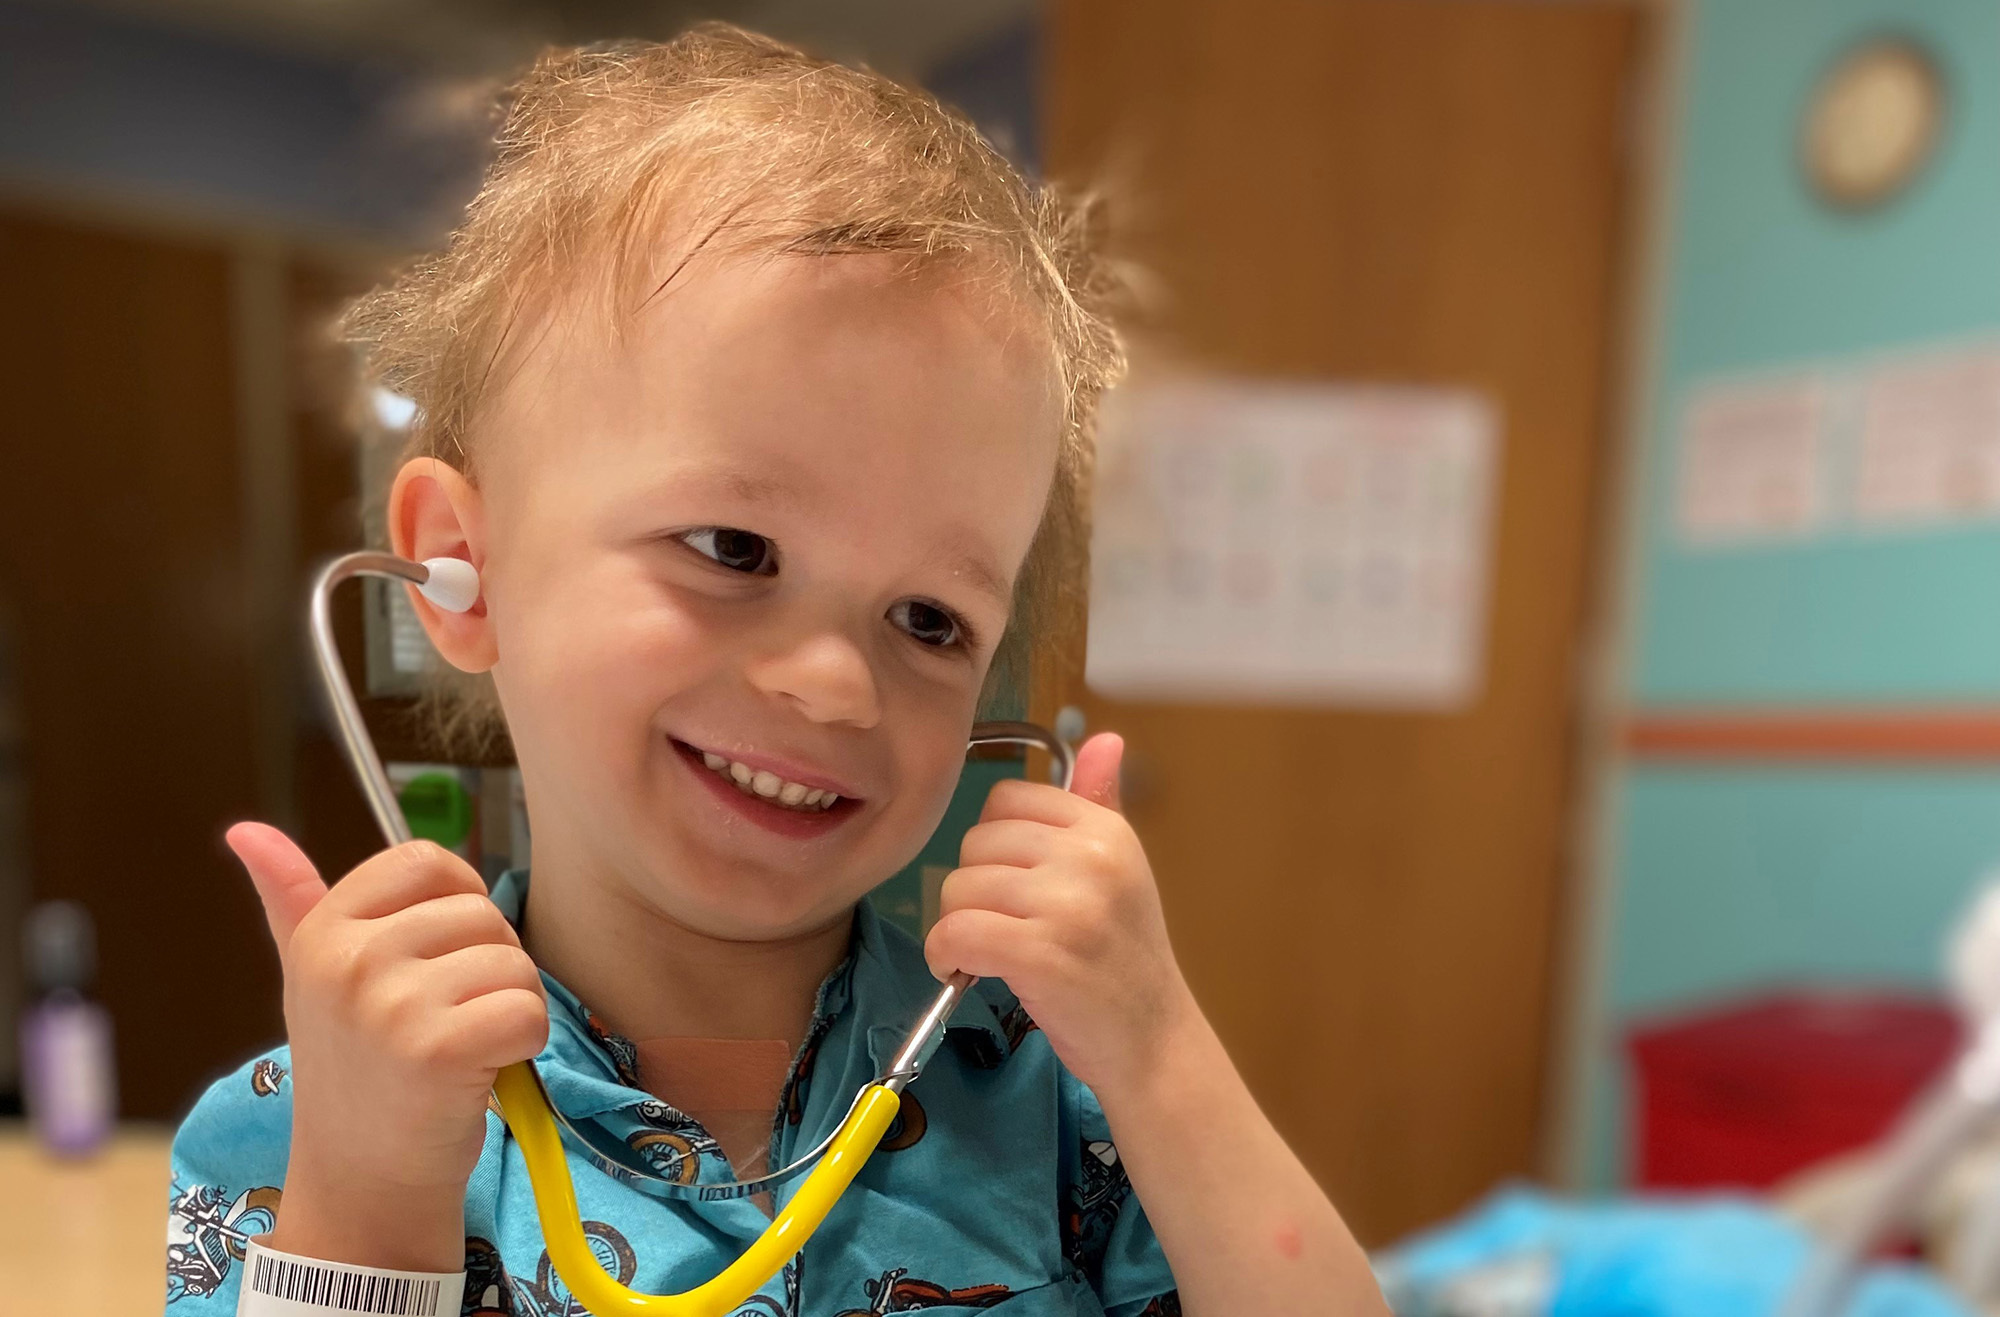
(435, 512)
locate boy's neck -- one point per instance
(645, 975)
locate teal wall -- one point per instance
(1726, 879)
(1762, 275)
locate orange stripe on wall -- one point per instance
(1848, 734)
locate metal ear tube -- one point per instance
(534, 1121)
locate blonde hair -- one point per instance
(726, 142)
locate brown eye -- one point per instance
(738, 550)
(927, 624)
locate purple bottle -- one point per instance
(67, 1074)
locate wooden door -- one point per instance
(1378, 190)
(163, 696)
(122, 566)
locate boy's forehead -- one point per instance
(762, 305)
(756, 369)
(722, 318)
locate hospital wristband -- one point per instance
(285, 1285)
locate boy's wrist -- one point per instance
(1174, 1056)
(330, 1212)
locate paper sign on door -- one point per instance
(1268, 542)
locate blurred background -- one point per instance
(1528, 560)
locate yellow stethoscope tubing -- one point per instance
(525, 1108)
(524, 1103)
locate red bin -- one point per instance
(1748, 1093)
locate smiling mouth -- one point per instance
(763, 784)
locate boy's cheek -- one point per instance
(924, 796)
(586, 650)
(926, 779)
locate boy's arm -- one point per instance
(1244, 1226)
(1054, 895)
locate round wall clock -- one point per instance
(1874, 120)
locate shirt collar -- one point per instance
(590, 1070)
(889, 965)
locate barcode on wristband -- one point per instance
(344, 1291)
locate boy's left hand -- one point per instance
(1053, 894)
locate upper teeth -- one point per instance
(769, 785)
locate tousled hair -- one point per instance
(619, 164)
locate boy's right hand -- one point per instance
(406, 991)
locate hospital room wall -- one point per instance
(1727, 875)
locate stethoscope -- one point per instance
(537, 1125)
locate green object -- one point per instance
(438, 808)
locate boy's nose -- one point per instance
(824, 676)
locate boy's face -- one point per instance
(775, 528)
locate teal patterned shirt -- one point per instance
(997, 1190)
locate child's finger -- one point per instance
(403, 875)
(1097, 764)
(458, 976)
(1021, 842)
(984, 943)
(1001, 888)
(498, 1028)
(286, 881)
(1038, 802)
(446, 923)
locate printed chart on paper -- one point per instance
(1270, 542)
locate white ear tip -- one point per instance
(453, 584)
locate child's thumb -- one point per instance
(1096, 776)
(285, 879)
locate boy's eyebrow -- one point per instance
(978, 573)
(759, 488)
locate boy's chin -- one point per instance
(740, 907)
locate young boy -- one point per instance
(758, 390)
